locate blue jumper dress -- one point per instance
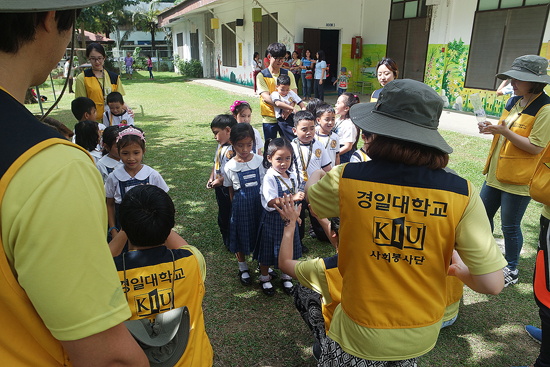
(270, 235)
(246, 211)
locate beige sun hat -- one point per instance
(28, 6)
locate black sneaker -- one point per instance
(510, 276)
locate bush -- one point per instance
(191, 69)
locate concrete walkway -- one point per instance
(461, 122)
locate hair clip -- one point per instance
(235, 104)
(355, 95)
(130, 131)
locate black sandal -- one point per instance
(267, 291)
(245, 281)
(288, 290)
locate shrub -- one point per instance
(191, 69)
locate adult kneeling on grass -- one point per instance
(401, 218)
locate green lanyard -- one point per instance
(293, 190)
(304, 166)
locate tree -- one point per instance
(146, 20)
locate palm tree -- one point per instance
(146, 20)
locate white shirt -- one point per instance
(359, 156)
(346, 130)
(330, 142)
(112, 188)
(231, 169)
(107, 162)
(223, 155)
(319, 158)
(270, 190)
(113, 120)
(288, 99)
(96, 155)
(258, 139)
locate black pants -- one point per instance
(224, 212)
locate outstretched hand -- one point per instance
(285, 206)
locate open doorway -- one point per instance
(327, 40)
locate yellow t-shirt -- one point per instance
(80, 89)
(262, 87)
(539, 136)
(54, 225)
(474, 242)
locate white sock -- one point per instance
(285, 276)
(266, 278)
(243, 267)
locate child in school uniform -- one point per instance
(278, 180)
(221, 128)
(84, 108)
(285, 99)
(309, 156)
(242, 112)
(110, 160)
(346, 130)
(116, 114)
(131, 148)
(360, 155)
(325, 135)
(244, 175)
(87, 136)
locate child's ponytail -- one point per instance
(266, 162)
(350, 101)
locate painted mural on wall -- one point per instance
(445, 73)
(363, 69)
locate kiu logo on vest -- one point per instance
(154, 302)
(399, 233)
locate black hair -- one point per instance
(255, 54)
(390, 64)
(115, 97)
(222, 121)
(283, 79)
(303, 115)
(367, 134)
(130, 139)
(87, 134)
(276, 50)
(321, 54)
(242, 106)
(537, 88)
(18, 29)
(350, 101)
(109, 137)
(288, 54)
(97, 47)
(56, 125)
(241, 131)
(273, 145)
(147, 215)
(335, 224)
(313, 104)
(80, 106)
(324, 108)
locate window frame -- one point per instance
(229, 45)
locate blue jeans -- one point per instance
(512, 209)
(306, 86)
(271, 130)
(340, 91)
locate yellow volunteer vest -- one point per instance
(148, 282)
(397, 234)
(334, 281)
(268, 110)
(516, 166)
(94, 90)
(24, 340)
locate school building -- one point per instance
(455, 46)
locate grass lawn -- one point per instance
(247, 328)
